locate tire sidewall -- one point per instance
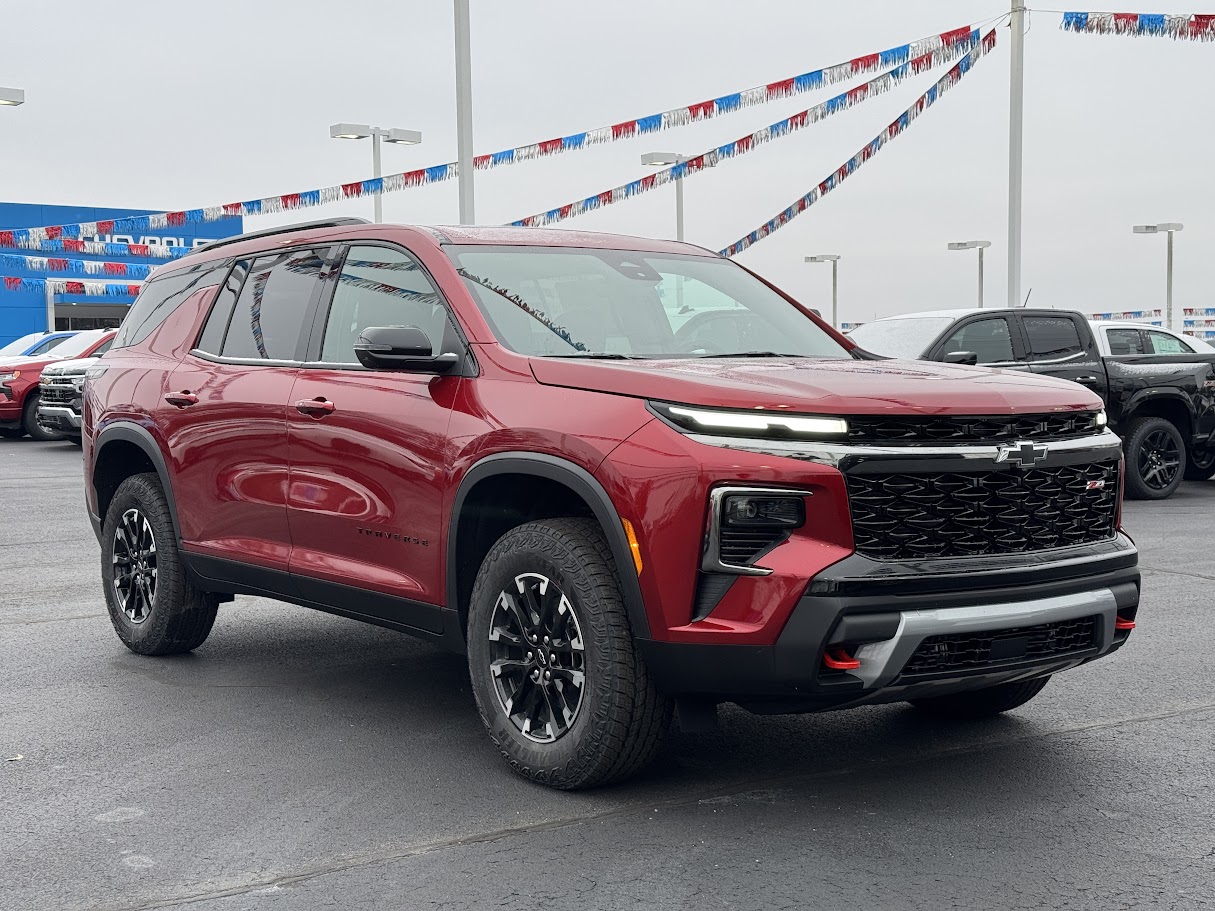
(531, 551)
(29, 422)
(1136, 489)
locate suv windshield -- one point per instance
(905, 337)
(583, 302)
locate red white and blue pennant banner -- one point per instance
(741, 146)
(897, 128)
(64, 286)
(48, 264)
(924, 53)
(1187, 26)
(10, 241)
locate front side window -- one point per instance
(273, 302)
(580, 302)
(380, 286)
(1052, 338)
(989, 339)
(1164, 343)
(50, 343)
(1124, 341)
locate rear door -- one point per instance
(1058, 345)
(225, 412)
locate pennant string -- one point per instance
(1185, 27)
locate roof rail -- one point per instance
(283, 229)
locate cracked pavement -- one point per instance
(299, 760)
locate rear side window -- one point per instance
(1124, 341)
(273, 302)
(1052, 338)
(1163, 343)
(987, 338)
(160, 297)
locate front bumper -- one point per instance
(883, 612)
(59, 418)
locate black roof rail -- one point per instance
(283, 229)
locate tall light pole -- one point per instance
(12, 97)
(834, 259)
(464, 122)
(1170, 228)
(664, 160)
(1016, 117)
(979, 245)
(362, 131)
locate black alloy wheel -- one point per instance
(1159, 460)
(537, 658)
(1155, 458)
(135, 570)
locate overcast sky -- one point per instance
(169, 105)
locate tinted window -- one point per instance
(212, 338)
(1163, 343)
(270, 311)
(159, 298)
(988, 338)
(1124, 341)
(50, 343)
(379, 286)
(1052, 337)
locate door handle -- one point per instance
(183, 399)
(317, 407)
(1087, 380)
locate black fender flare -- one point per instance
(1165, 393)
(130, 432)
(583, 483)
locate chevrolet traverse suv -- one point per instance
(624, 477)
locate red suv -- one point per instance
(622, 476)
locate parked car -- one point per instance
(1139, 338)
(494, 439)
(20, 382)
(1160, 403)
(61, 397)
(31, 345)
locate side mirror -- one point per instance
(401, 348)
(961, 357)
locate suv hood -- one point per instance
(822, 385)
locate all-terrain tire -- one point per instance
(29, 421)
(619, 724)
(982, 703)
(177, 618)
(1145, 478)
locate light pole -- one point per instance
(834, 259)
(362, 131)
(464, 122)
(979, 245)
(1016, 129)
(664, 160)
(12, 97)
(1171, 228)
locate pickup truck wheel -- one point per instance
(153, 607)
(1200, 465)
(29, 421)
(1155, 459)
(982, 703)
(559, 682)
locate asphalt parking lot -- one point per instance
(298, 760)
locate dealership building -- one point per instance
(25, 311)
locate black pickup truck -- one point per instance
(1162, 405)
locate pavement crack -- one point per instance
(1175, 572)
(739, 787)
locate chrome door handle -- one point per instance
(183, 399)
(317, 407)
(1087, 380)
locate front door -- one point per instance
(226, 410)
(368, 448)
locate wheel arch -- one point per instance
(1170, 404)
(466, 546)
(120, 451)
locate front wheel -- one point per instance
(558, 679)
(982, 703)
(29, 422)
(1155, 459)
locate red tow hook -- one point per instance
(1119, 624)
(837, 659)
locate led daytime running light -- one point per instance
(735, 420)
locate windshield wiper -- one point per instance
(751, 354)
(601, 355)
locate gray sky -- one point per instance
(171, 105)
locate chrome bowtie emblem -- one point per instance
(1024, 454)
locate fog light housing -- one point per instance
(747, 522)
(763, 512)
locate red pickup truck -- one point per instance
(20, 377)
(624, 477)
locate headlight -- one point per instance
(757, 423)
(1102, 419)
(6, 377)
(78, 381)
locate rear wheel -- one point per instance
(1200, 464)
(29, 421)
(153, 607)
(982, 703)
(1155, 459)
(558, 679)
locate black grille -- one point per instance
(742, 545)
(917, 516)
(56, 395)
(992, 648)
(928, 430)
